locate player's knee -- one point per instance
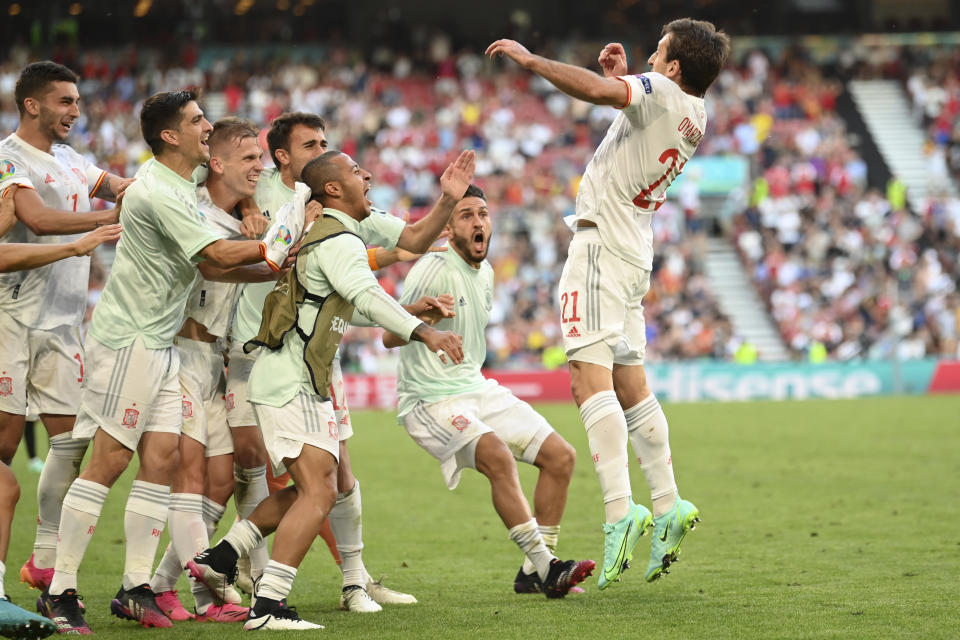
(565, 458)
(7, 452)
(9, 495)
(248, 455)
(556, 457)
(494, 459)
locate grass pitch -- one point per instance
(821, 519)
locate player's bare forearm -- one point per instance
(391, 340)
(232, 253)
(418, 237)
(246, 273)
(112, 187)
(580, 83)
(20, 257)
(44, 221)
(574, 81)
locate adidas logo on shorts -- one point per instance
(573, 333)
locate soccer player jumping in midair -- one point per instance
(607, 272)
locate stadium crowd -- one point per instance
(837, 264)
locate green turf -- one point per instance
(821, 519)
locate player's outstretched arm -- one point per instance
(232, 253)
(245, 273)
(418, 237)
(576, 82)
(20, 257)
(44, 221)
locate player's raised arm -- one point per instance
(576, 82)
(418, 237)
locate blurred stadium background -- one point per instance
(810, 248)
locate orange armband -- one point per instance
(372, 259)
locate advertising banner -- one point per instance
(715, 381)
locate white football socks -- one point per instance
(143, 522)
(188, 532)
(277, 581)
(649, 436)
(346, 521)
(250, 489)
(550, 533)
(607, 436)
(78, 520)
(527, 537)
(60, 469)
(243, 536)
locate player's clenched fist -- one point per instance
(613, 60)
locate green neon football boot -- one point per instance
(619, 540)
(669, 530)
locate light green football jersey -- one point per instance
(278, 376)
(155, 266)
(270, 196)
(421, 375)
(379, 228)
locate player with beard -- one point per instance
(294, 139)
(131, 398)
(469, 422)
(41, 310)
(304, 320)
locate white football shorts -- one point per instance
(129, 391)
(449, 429)
(41, 368)
(600, 294)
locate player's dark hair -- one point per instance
(700, 49)
(163, 111)
(36, 77)
(231, 129)
(319, 172)
(473, 191)
(278, 137)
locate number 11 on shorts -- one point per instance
(572, 300)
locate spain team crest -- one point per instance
(186, 408)
(130, 417)
(6, 387)
(228, 400)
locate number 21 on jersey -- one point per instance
(570, 299)
(643, 199)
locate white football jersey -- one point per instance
(54, 295)
(212, 303)
(643, 151)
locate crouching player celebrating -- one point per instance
(466, 421)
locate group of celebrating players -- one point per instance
(213, 349)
